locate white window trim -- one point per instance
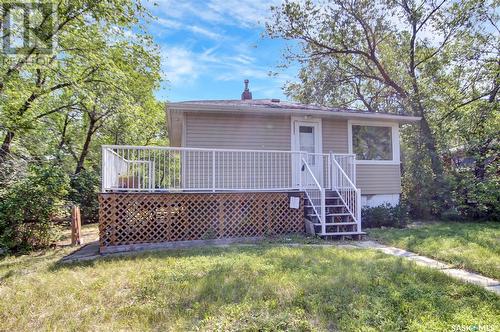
(395, 141)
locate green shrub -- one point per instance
(84, 190)
(452, 215)
(28, 206)
(384, 215)
(474, 199)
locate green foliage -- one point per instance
(473, 246)
(476, 199)
(84, 190)
(423, 196)
(96, 88)
(352, 55)
(384, 216)
(28, 207)
(104, 69)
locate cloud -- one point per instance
(228, 12)
(244, 13)
(183, 66)
(205, 32)
(179, 65)
(168, 23)
(176, 25)
(226, 47)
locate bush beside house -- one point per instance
(385, 216)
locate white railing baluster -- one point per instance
(315, 193)
(136, 168)
(347, 191)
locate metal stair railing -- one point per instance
(315, 193)
(349, 194)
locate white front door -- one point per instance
(306, 137)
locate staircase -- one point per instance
(332, 210)
(339, 221)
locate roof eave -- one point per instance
(264, 110)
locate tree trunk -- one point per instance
(85, 150)
(62, 141)
(430, 144)
(9, 137)
(5, 149)
(480, 162)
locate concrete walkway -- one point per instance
(489, 284)
(87, 252)
(91, 251)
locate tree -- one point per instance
(82, 30)
(384, 56)
(57, 110)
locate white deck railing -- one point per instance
(131, 168)
(347, 191)
(135, 168)
(151, 169)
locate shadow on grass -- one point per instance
(208, 251)
(342, 289)
(269, 286)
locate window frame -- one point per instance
(394, 137)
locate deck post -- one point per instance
(358, 209)
(299, 170)
(323, 211)
(353, 160)
(213, 171)
(330, 168)
(76, 225)
(103, 168)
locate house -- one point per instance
(328, 162)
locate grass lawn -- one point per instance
(266, 287)
(472, 246)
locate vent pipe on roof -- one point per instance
(246, 95)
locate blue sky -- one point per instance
(209, 47)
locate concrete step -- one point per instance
(342, 233)
(338, 214)
(336, 224)
(327, 206)
(331, 214)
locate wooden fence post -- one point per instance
(76, 226)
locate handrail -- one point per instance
(350, 196)
(343, 173)
(174, 168)
(322, 213)
(172, 148)
(311, 173)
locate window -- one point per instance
(372, 142)
(307, 142)
(306, 139)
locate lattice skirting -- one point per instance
(134, 218)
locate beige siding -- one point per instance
(334, 136)
(249, 132)
(252, 132)
(378, 179)
(245, 132)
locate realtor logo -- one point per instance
(28, 27)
